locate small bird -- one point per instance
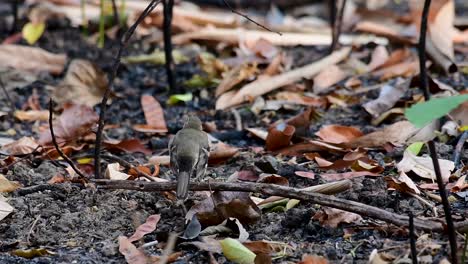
(188, 151)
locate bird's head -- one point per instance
(193, 122)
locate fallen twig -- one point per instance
(115, 67)
(432, 150)
(289, 192)
(54, 141)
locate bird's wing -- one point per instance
(173, 157)
(202, 163)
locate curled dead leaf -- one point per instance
(84, 83)
(31, 59)
(279, 136)
(338, 134)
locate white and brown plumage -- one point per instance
(189, 151)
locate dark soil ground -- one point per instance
(81, 225)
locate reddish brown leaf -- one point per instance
(247, 175)
(132, 254)
(279, 136)
(338, 134)
(403, 184)
(305, 174)
(154, 113)
(328, 77)
(332, 217)
(127, 145)
(228, 204)
(273, 179)
(31, 59)
(146, 228)
(74, 122)
(22, 146)
(313, 259)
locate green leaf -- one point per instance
(199, 81)
(422, 113)
(415, 148)
(32, 32)
(236, 252)
(176, 98)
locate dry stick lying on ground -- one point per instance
(289, 192)
(115, 67)
(54, 141)
(432, 150)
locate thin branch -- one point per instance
(459, 149)
(54, 141)
(115, 67)
(167, 30)
(282, 191)
(14, 10)
(432, 150)
(337, 24)
(412, 235)
(116, 14)
(7, 96)
(248, 18)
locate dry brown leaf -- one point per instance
(327, 77)
(388, 97)
(127, 145)
(423, 166)
(146, 228)
(220, 152)
(228, 204)
(397, 134)
(7, 186)
(338, 134)
(273, 179)
(132, 254)
(260, 87)
(460, 114)
(407, 68)
(332, 217)
(31, 59)
(74, 122)
(460, 185)
(403, 184)
(396, 57)
(160, 160)
(313, 259)
(297, 98)
(235, 76)
(113, 172)
(442, 31)
(22, 146)
(392, 31)
(279, 136)
(379, 57)
(154, 115)
(84, 83)
(5, 208)
(259, 47)
(32, 115)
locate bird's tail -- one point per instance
(183, 181)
